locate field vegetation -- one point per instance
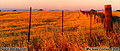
(46, 30)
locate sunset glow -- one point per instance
(58, 4)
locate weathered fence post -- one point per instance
(62, 21)
(95, 13)
(91, 13)
(108, 19)
(86, 14)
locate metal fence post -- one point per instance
(62, 21)
(29, 25)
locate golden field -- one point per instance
(46, 30)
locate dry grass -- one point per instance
(46, 31)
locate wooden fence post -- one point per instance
(95, 13)
(86, 14)
(108, 19)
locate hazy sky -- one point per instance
(58, 4)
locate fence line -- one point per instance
(108, 15)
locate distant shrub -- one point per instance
(13, 10)
(92, 10)
(40, 10)
(53, 10)
(117, 10)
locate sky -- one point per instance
(59, 4)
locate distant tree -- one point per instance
(0, 10)
(13, 10)
(53, 10)
(40, 10)
(117, 10)
(93, 10)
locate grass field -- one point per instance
(46, 30)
